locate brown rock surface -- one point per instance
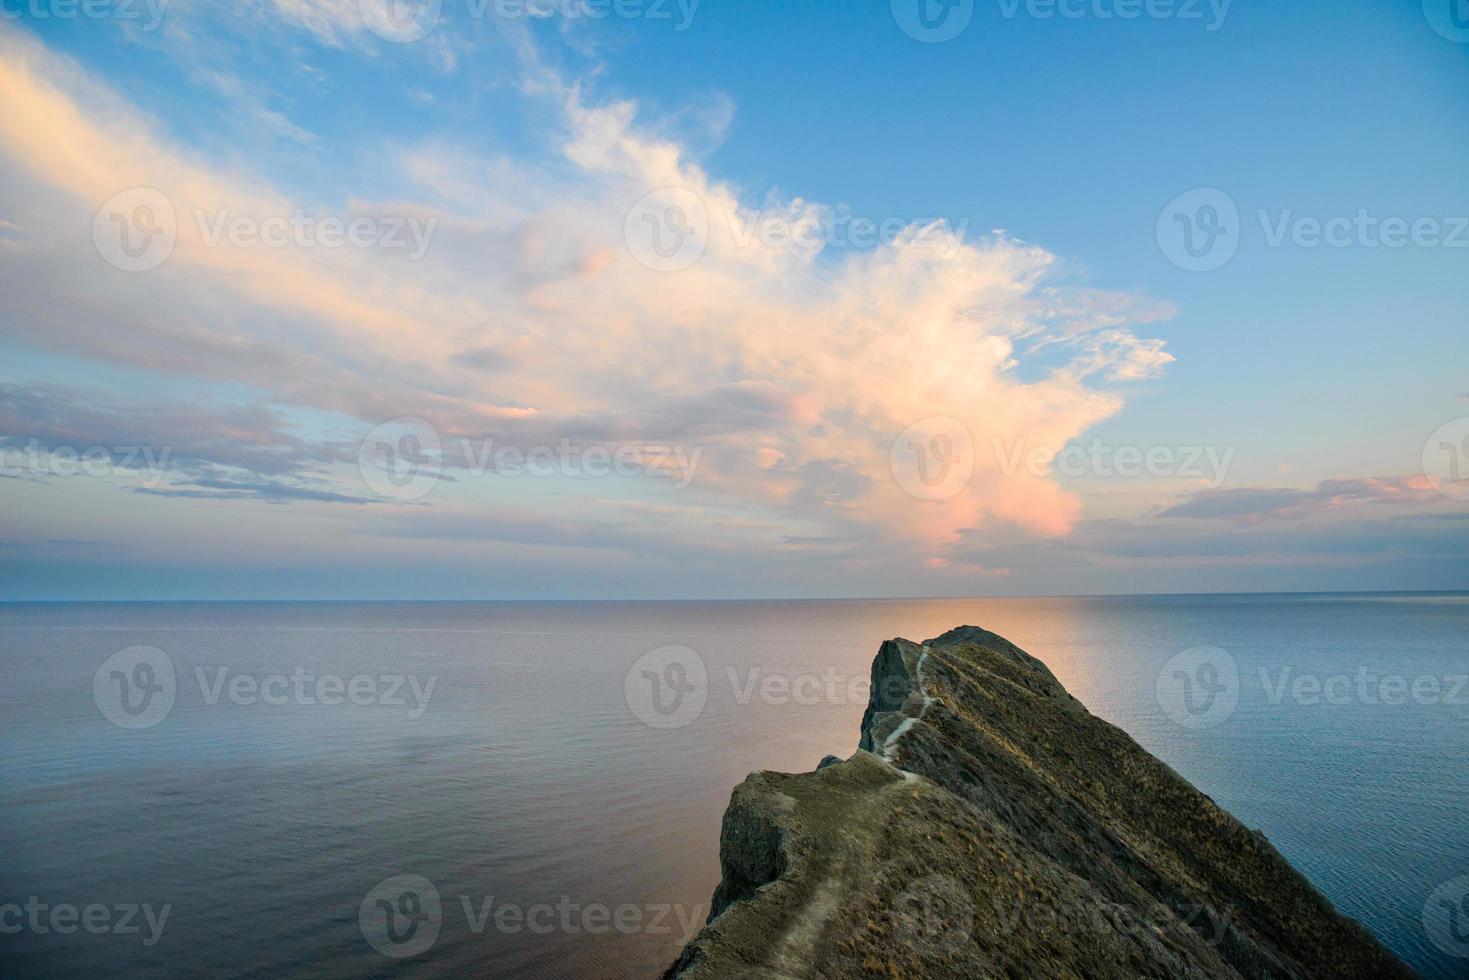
(990, 826)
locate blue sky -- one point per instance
(798, 388)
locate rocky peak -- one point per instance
(990, 826)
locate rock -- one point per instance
(830, 760)
(989, 825)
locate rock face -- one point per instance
(989, 826)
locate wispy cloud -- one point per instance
(1250, 505)
(250, 437)
(274, 492)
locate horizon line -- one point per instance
(765, 599)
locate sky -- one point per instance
(554, 299)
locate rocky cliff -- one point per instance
(990, 826)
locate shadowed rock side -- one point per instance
(990, 826)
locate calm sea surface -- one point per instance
(565, 835)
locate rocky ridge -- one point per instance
(990, 826)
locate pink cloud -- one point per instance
(532, 318)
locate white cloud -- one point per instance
(794, 368)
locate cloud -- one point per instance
(332, 22)
(250, 102)
(792, 365)
(1254, 505)
(360, 25)
(274, 492)
(202, 451)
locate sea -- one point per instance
(528, 790)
